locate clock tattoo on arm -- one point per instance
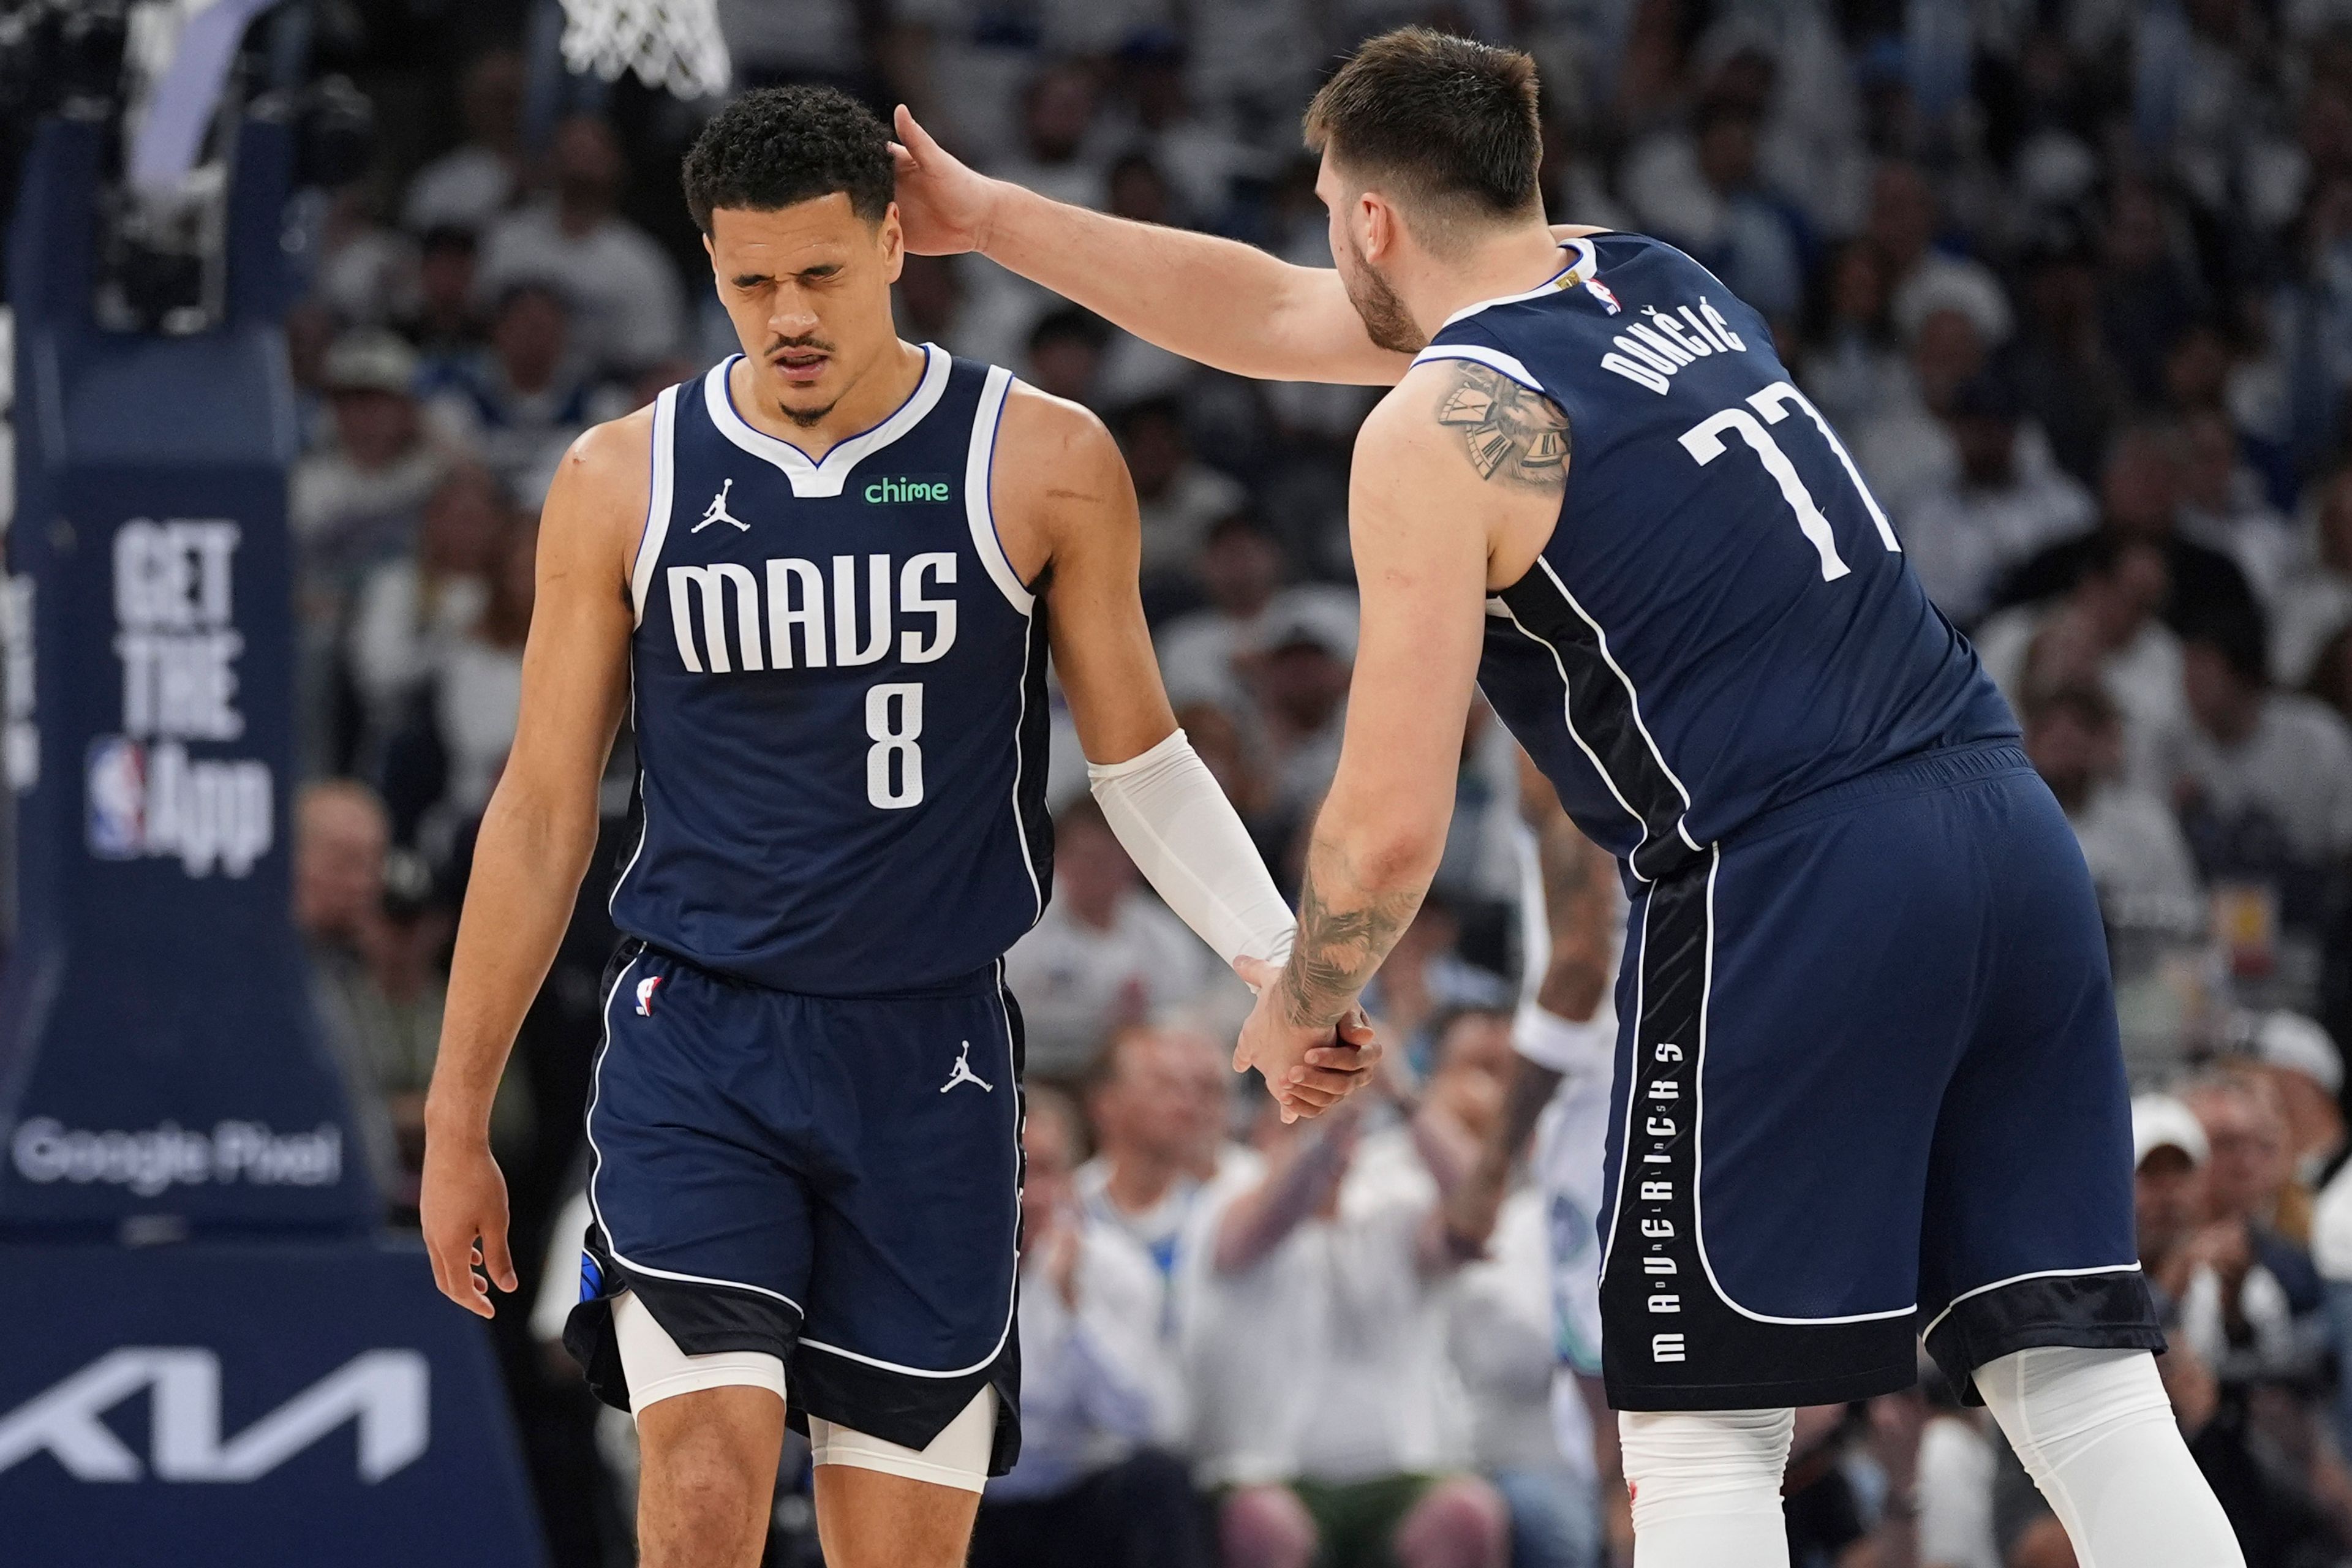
(1510, 435)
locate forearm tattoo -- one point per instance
(1510, 435)
(1336, 950)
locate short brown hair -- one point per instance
(1445, 120)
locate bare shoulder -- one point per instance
(1470, 418)
(1058, 479)
(596, 508)
(611, 464)
(1054, 441)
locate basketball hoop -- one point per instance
(672, 44)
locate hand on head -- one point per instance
(943, 205)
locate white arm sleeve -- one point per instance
(1186, 838)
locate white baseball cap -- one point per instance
(2160, 1122)
(2291, 1041)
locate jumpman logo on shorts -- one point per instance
(963, 1073)
(717, 512)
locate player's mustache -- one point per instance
(782, 345)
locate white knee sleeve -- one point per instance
(1706, 1487)
(957, 1458)
(658, 1370)
(2096, 1431)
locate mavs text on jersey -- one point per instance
(900, 839)
(838, 688)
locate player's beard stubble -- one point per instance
(1386, 321)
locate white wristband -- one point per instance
(1562, 1045)
(1186, 838)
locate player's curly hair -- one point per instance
(778, 145)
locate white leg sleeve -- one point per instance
(1706, 1487)
(2095, 1430)
(658, 1370)
(957, 1458)
(1186, 838)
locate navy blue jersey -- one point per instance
(838, 684)
(1723, 620)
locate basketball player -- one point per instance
(825, 578)
(1868, 1084)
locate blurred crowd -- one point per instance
(2071, 278)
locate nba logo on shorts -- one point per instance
(645, 996)
(117, 798)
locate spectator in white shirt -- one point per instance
(1181, 496)
(2104, 631)
(357, 502)
(1097, 1485)
(1241, 566)
(1903, 445)
(1064, 356)
(364, 270)
(1317, 1348)
(2305, 1068)
(447, 323)
(2317, 602)
(1699, 189)
(1854, 367)
(522, 402)
(2139, 862)
(1200, 159)
(1105, 955)
(2263, 780)
(1055, 160)
(2223, 505)
(410, 607)
(1500, 1328)
(472, 183)
(627, 311)
(2257, 760)
(2004, 499)
(1159, 1098)
(440, 769)
(1953, 1488)
(1304, 647)
(1903, 222)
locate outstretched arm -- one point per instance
(1225, 304)
(1069, 498)
(1300, 1177)
(1453, 441)
(537, 836)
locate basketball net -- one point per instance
(672, 44)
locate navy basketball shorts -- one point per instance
(833, 1180)
(1868, 1089)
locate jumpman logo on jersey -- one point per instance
(963, 1073)
(717, 512)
